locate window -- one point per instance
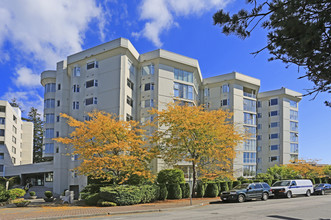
(87, 118)
(274, 147)
(58, 86)
(274, 124)
(293, 104)
(2, 156)
(14, 129)
(2, 121)
(49, 149)
(259, 115)
(49, 133)
(76, 88)
(259, 137)
(92, 65)
(76, 71)
(259, 104)
(250, 145)
(249, 170)
(148, 70)
(1, 168)
(258, 186)
(273, 113)
(74, 157)
(129, 117)
(49, 118)
(293, 115)
(249, 92)
(249, 105)
(129, 100)
(273, 159)
(149, 86)
(2, 108)
(183, 91)
(183, 75)
(130, 84)
(249, 118)
(13, 139)
(293, 137)
(206, 92)
(14, 119)
(50, 87)
(89, 101)
(225, 102)
(58, 118)
(273, 102)
(149, 103)
(274, 136)
(91, 83)
(249, 157)
(259, 149)
(131, 69)
(13, 160)
(2, 132)
(58, 103)
(49, 177)
(293, 126)
(225, 88)
(75, 105)
(13, 149)
(294, 148)
(259, 126)
(49, 103)
(57, 134)
(251, 131)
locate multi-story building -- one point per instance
(277, 139)
(16, 138)
(114, 77)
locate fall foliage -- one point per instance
(305, 169)
(108, 148)
(206, 139)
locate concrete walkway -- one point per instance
(40, 210)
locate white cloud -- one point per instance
(47, 31)
(161, 14)
(25, 77)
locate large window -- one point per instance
(274, 124)
(49, 103)
(250, 145)
(225, 88)
(148, 70)
(49, 133)
(293, 126)
(149, 86)
(183, 75)
(76, 71)
(225, 102)
(293, 115)
(273, 113)
(49, 148)
(2, 108)
(249, 105)
(249, 118)
(2, 156)
(91, 83)
(49, 118)
(294, 148)
(149, 103)
(130, 84)
(274, 147)
(75, 88)
(206, 92)
(249, 92)
(2, 132)
(90, 101)
(249, 157)
(2, 120)
(273, 102)
(250, 131)
(129, 100)
(293, 137)
(249, 170)
(274, 136)
(50, 87)
(92, 65)
(75, 105)
(183, 91)
(293, 104)
(274, 159)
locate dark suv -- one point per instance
(247, 191)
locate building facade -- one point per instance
(114, 77)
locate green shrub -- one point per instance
(163, 192)
(83, 195)
(16, 193)
(170, 176)
(121, 195)
(150, 193)
(230, 184)
(185, 190)
(317, 180)
(211, 190)
(94, 188)
(236, 183)
(92, 199)
(201, 190)
(134, 179)
(174, 191)
(4, 194)
(257, 180)
(32, 193)
(104, 203)
(224, 186)
(48, 194)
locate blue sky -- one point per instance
(37, 34)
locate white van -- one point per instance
(292, 187)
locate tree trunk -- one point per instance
(194, 179)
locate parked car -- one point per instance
(247, 191)
(322, 188)
(288, 188)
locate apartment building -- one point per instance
(115, 78)
(16, 138)
(277, 123)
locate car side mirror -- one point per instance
(248, 188)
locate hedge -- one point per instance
(211, 190)
(174, 191)
(224, 186)
(163, 192)
(200, 190)
(230, 184)
(4, 194)
(92, 199)
(185, 190)
(170, 176)
(121, 195)
(149, 193)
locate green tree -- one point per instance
(299, 32)
(282, 172)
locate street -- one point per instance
(314, 207)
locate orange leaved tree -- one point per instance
(306, 169)
(206, 139)
(108, 148)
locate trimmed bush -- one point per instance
(224, 186)
(163, 192)
(103, 203)
(121, 195)
(4, 195)
(236, 183)
(94, 188)
(16, 193)
(174, 191)
(134, 179)
(149, 193)
(200, 190)
(92, 199)
(32, 193)
(185, 190)
(211, 190)
(170, 176)
(48, 194)
(230, 184)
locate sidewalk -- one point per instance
(36, 209)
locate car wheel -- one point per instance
(289, 194)
(322, 192)
(241, 198)
(265, 196)
(308, 193)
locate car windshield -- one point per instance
(242, 186)
(281, 183)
